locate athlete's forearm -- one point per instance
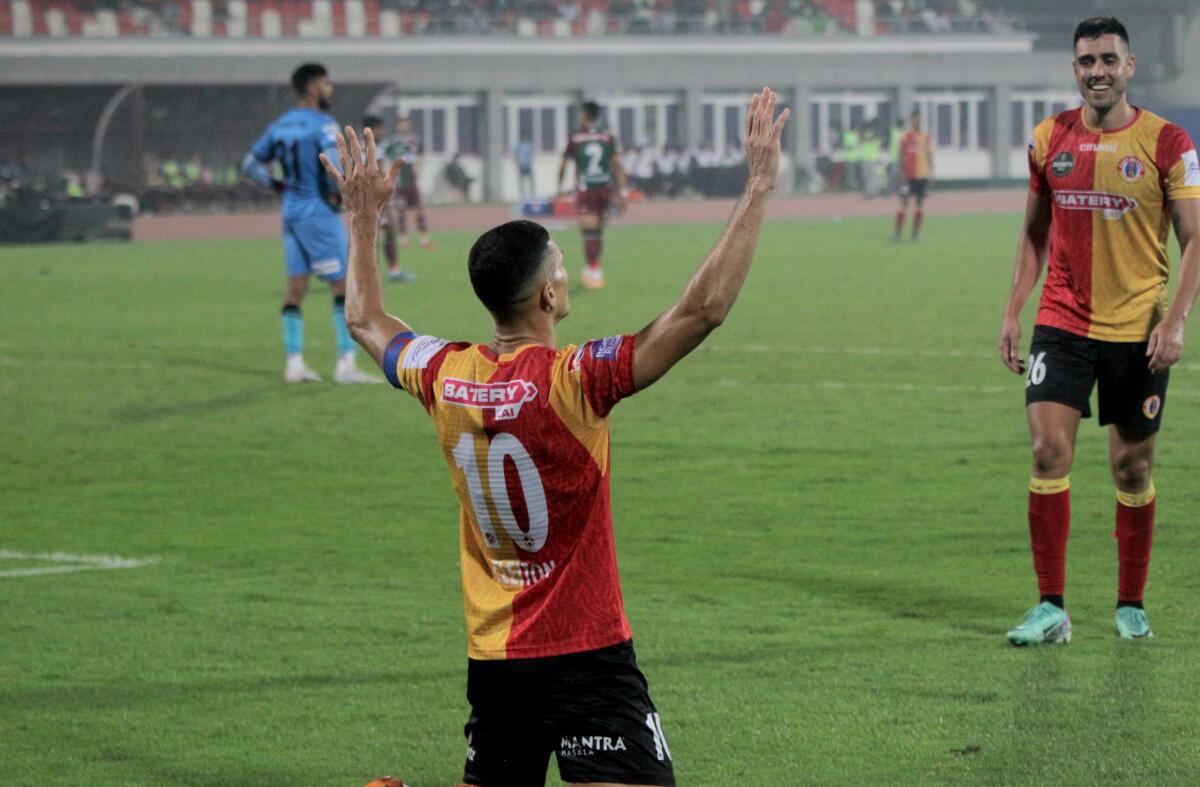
(1189, 283)
(562, 173)
(364, 293)
(715, 286)
(1026, 272)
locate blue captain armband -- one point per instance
(391, 356)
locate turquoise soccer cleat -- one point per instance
(1132, 623)
(1043, 624)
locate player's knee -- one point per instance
(1131, 470)
(1051, 458)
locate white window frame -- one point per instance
(720, 102)
(1027, 98)
(872, 104)
(396, 105)
(513, 106)
(927, 105)
(643, 105)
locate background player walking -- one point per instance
(387, 222)
(916, 173)
(314, 239)
(593, 151)
(524, 429)
(405, 147)
(1105, 181)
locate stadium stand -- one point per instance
(272, 19)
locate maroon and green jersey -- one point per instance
(593, 152)
(407, 149)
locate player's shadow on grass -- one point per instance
(901, 599)
(139, 413)
(132, 693)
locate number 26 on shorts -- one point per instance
(1037, 369)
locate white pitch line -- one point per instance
(77, 563)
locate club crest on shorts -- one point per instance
(1062, 165)
(1131, 168)
(1151, 406)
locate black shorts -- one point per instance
(592, 710)
(914, 188)
(1064, 366)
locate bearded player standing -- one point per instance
(524, 429)
(1105, 182)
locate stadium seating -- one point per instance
(393, 18)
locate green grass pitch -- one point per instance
(820, 519)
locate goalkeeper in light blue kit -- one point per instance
(314, 238)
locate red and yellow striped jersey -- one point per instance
(1111, 213)
(526, 437)
(914, 155)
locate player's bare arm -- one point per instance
(1032, 245)
(562, 172)
(618, 169)
(1166, 340)
(365, 192)
(715, 286)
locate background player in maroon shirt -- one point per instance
(587, 707)
(599, 182)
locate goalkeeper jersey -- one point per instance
(525, 436)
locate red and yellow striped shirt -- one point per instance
(1111, 213)
(526, 437)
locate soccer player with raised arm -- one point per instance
(523, 427)
(314, 239)
(1106, 180)
(599, 181)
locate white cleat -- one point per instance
(298, 372)
(348, 373)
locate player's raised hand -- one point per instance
(762, 140)
(364, 188)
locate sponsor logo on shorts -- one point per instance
(505, 399)
(1097, 147)
(1113, 206)
(587, 745)
(1062, 165)
(1151, 406)
(327, 267)
(1131, 168)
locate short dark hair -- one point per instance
(305, 74)
(591, 109)
(370, 121)
(1101, 26)
(503, 262)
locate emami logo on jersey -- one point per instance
(1113, 206)
(505, 398)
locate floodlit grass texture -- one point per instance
(820, 518)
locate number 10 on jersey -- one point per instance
(495, 497)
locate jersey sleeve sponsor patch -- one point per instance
(604, 369)
(329, 133)
(408, 361)
(1191, 168)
